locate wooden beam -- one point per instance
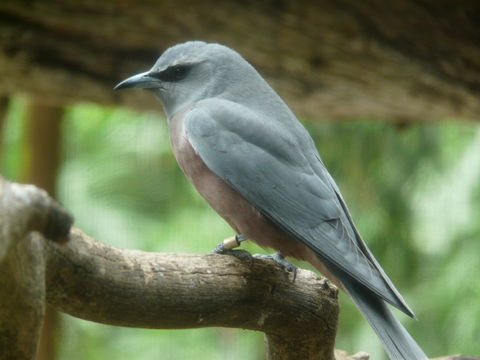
(332, 59)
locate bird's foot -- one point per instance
(227, 246)
(280, 260)
(326, 283)
(229, 243)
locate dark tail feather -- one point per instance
(397, 341)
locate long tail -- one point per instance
(397, 341)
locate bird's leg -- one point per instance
(228, 245)
(280, 260)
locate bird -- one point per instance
(257, 166)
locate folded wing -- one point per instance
(281, 174)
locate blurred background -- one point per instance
(390, 100)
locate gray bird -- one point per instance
(247, 154)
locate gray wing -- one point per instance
(277, 169)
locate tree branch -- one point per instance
(93, 281)
(101, 283)
(24, 208)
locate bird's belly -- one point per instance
(227, 202)
(230, 205)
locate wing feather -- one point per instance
(276, 167)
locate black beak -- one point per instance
(142, 81)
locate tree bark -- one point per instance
(121, 287)
(96, 282)
(43, 143)
(85, 278)
(342, 59)
(22, 265)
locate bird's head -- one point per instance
(187, 73)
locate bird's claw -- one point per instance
(226, 247)
(229, 243)
(280, 260)
(219, 249)
(239, 253)
(326, 283)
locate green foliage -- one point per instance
(414, 193)
(86, 340)
(13, 155)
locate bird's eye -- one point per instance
(173, 73)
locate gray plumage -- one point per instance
(257, 166)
